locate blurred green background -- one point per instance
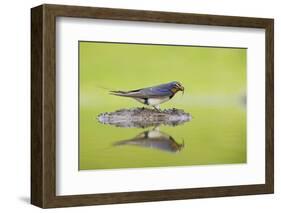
(215, 96)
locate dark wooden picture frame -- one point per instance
(43, 105)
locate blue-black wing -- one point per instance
(162, 90)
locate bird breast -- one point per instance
(152, 101)
(157, 101)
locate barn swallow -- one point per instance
(153, 96)
(154, 139)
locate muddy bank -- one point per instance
(144, 117)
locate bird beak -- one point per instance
(181, 88)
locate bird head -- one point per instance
(177, 86)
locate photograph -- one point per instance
(161, 105)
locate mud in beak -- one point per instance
(181, 88)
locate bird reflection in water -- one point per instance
(153, 139)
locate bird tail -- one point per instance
(121, 93)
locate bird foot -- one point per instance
(158, 110)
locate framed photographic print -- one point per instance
(136, 106)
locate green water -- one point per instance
(215, 85)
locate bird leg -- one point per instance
(157, 108)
